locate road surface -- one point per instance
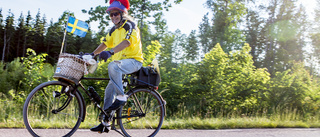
(274, 132)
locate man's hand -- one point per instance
(105, 55)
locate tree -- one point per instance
(28, 33)
(145, 9)
(180, 40)
(285, 33)
(204, 36)
(98, 14)
(302, 23)
(166, 53)
(39, 31)
(229, 81)
(211, 77)
(315, 37)
(269, 57)
(192, 48)
(54, 37)
(8, 35)
(254, 29)
(19, 35)
(1, 31)
(152, 51)
(226, 19)
(160, 25)
(280, 40)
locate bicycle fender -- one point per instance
(163, 101)
(81, 99)
(84, 106)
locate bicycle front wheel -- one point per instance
(50, 107)
(143, 110)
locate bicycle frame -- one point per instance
(79, 84)
(129, 89)
(88, 94)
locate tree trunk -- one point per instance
(8, 47)
(24, 46)
(4, 45)
(18, 46)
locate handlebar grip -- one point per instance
(96, 56)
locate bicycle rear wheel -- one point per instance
(143, 110)
(49, 107)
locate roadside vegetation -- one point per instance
(245, 98)
(249, 64)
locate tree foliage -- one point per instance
(230, 79)
(226, 19)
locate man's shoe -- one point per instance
(100, 128)
(116, 105)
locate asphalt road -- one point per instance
(275, 132)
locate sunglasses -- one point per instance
(114, 14)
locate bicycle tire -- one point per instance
(149, 116)
(40, 105)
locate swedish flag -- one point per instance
(77, 27)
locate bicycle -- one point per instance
(60, 106)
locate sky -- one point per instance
(185, 16)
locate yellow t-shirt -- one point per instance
(128, 31)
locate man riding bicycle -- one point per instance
(124, 46)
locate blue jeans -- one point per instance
(116, 69)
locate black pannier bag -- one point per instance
(147, 76)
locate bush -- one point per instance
(293, 89)
(36, 71)
(12, 76)
(231, 81)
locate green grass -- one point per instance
(232, 123)
(11, 117)
(198, 123)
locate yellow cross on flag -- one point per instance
(77, 27)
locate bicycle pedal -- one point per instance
(107, 127)
(107, 130)
(104, 130)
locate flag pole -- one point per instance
(64, 36)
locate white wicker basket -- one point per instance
(70, 67)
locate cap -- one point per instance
(122, 5)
